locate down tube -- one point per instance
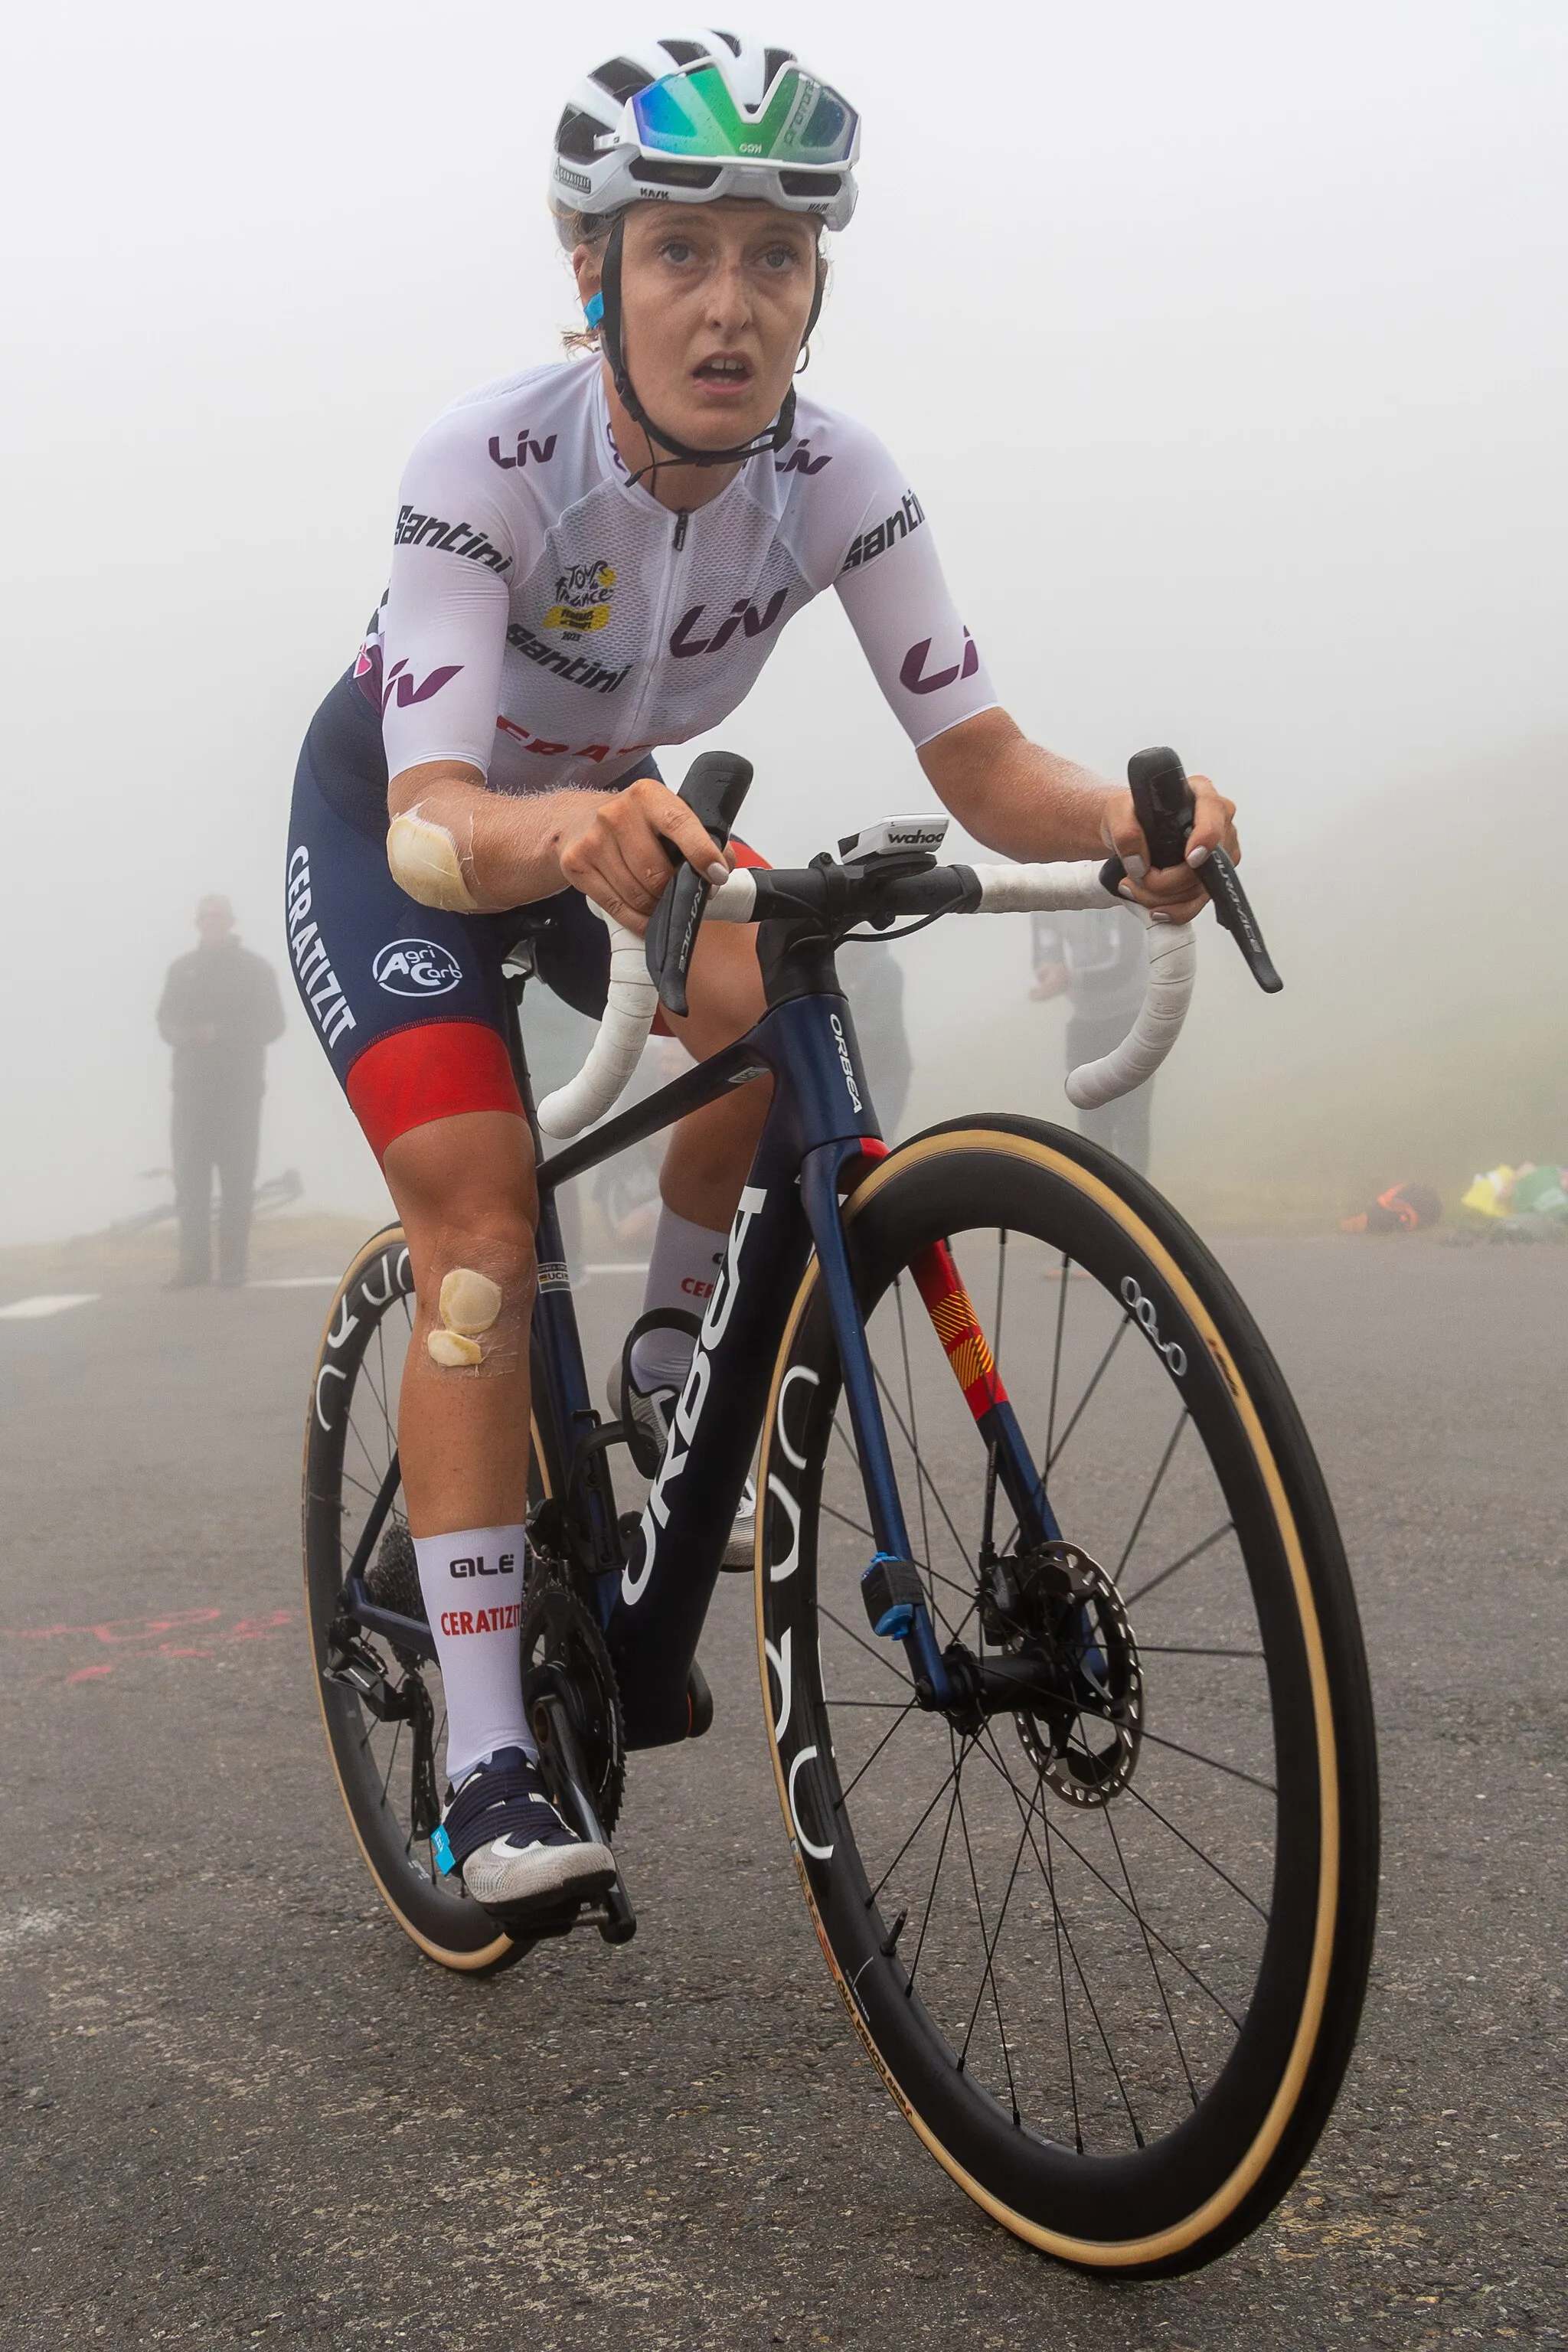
(672, 1564)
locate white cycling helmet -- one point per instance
(703, 115)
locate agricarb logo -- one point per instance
(416, 968)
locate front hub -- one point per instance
(1063, 1664)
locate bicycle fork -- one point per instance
(892, 1586)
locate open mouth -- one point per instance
(723, 374)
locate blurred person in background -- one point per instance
(220, 1010)
(1097, 960)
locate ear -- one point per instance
(585, 269)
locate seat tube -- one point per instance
(819, 1196)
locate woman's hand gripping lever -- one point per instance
(716, 784)
(1163, 801)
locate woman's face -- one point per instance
(715, 301)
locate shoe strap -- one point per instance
(500, 1801)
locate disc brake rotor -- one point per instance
(1058, 1607)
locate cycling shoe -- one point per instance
(503, 1837)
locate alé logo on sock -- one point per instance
(693, 1396)
(476, 1564)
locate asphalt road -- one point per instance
(239, 2108)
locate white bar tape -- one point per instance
(733, 900)
(1173, 968)
(1046, 890)
(616, 1050)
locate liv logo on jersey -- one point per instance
(742, 613)
(801, 461)
(911, 674)
(541, 452)
(416, 968)
(400, 682)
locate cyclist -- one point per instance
(591, 560)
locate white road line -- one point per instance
(296, 1282)
(49, 1302)
(616, 1266)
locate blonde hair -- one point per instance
(574, 228)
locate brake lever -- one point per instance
(1163, 801)
(716, 784)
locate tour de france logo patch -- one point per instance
(582, 603)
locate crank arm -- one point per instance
(562, 1758)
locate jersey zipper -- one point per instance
(668, 603)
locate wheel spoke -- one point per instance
(1188, 1557)
(948, 1783)
(1133, 1789)
(936, 1874)
(1109, 1814)
(1214, 1762)
(987, 1977)
(1056, 1357)
(862, 1644)
(903, 1712)
(1037, 1808)
(1155, 1484)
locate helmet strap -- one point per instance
(611, 336)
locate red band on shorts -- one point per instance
(435, 1070)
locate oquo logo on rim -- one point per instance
(416, 968)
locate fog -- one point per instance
(1225, 344)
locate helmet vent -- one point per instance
(772, 61)
(574, 136)
(729, 38)
(685, 53)
(659, 171)
(811, 183)
(621, 77)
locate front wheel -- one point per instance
(1105, 1932)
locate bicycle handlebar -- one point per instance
(879, 889)
(839, 894)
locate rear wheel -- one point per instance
(386, 1762)
(1106, 1938)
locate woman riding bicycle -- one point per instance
(591, 560)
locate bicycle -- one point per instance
(1061, 1669)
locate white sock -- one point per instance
(472, 1583)
(682, 1270)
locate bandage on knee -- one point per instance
(481, 1317)
(424, 862)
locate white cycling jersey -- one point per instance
(547, 620)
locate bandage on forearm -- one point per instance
(423, 860)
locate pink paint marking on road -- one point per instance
(142, 1636)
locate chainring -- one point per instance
(563, 1653)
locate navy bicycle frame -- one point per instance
(654, 1594)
